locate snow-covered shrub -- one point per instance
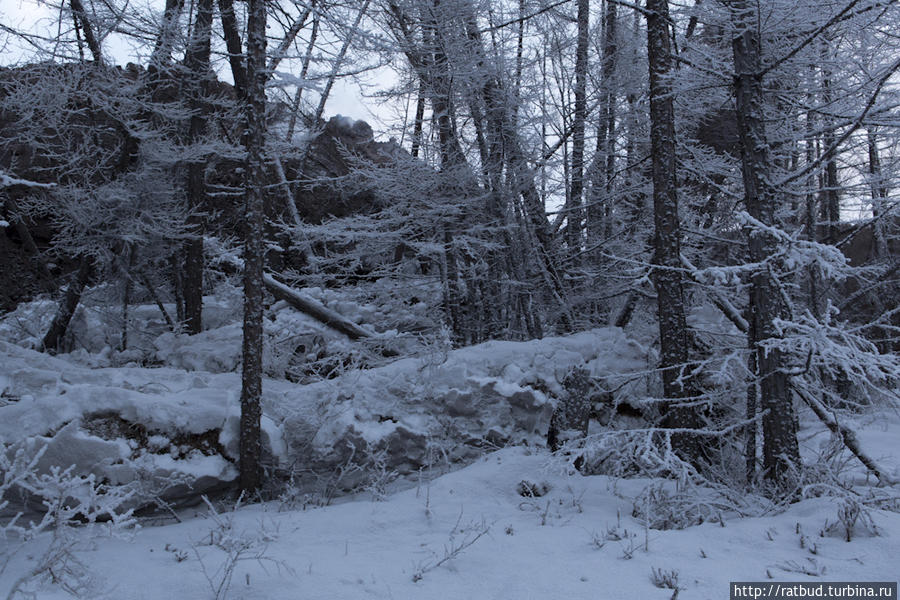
(664, 579)
(658, 508)
(67, 500)
(630, 453)
(235, 546)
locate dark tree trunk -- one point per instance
(233, 45)
(177, 291)
(575, 209)
(752, 407)
(197, 63)
(67, 306)
(674, 337)
(880, 195)
(831, 204)
(165, 41)
(88, 30)
(811, 222)
(251, 375)
(126, 296)
(781, 454)
(603, 166)
(419, 119)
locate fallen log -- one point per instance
(317, 311)
(847, 435)
(304, 304)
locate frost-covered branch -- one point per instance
(7, 180)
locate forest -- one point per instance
(608, 290)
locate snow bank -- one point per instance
(129, 424)
(158, 430)
(448, 407)
(578, 541)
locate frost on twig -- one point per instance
(68, 500)
(7, 180)
(461, 538)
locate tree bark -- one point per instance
(781, 453)
(233, 45)
(604, 163)
(165, 41)
(831, 204)
(575, 208)
(88, 30)
(197, 63)
(419, 120)
(880, 195)
(67, 306)
(251, 374)
(674, 337)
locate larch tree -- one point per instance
(674, 336)
(196, 62)
(254, 256)
(781, 453)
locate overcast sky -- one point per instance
(39, 18)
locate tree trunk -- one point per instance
(197, 63)
(304, 69)
(781, 453)
(752, 408)
(177, 291)
(674, 337)
(575, 208)
(419, 119)
(126, 296)
(67, 306)
(165, 41)
(814, 283)
(251, 374)
(831, 204)
(339, 61)
(91, 39)
(233, 45)
(604, 164)
(880, 194)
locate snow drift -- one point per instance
(173, 435)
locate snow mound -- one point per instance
(168, 429)
(447, 408)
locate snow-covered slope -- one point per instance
(128, 423)
(470, 534)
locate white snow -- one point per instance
(466, 534)
(573, 543)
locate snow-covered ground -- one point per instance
(470, 534)
(517, 523)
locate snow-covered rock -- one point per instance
(419, 413)
(164, 430)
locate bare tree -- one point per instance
(781, 453)
(196, 62)
(674, 336)
(254, 211)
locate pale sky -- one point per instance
(39, 18)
